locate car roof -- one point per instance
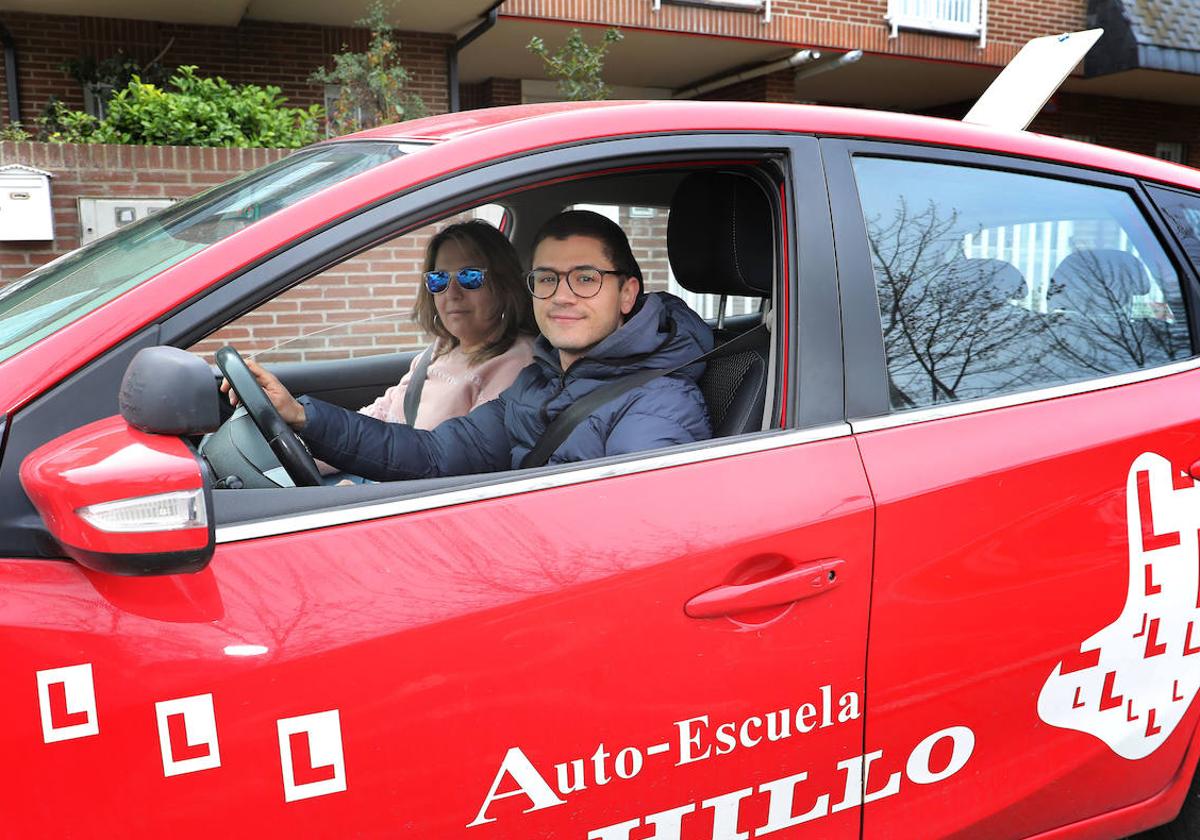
(557, 123)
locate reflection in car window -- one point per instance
(993, 282)
(73, 285)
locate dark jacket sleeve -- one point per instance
(474, 443)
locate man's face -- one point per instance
(573, 325)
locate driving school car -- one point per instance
(935, 575)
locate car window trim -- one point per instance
(955, 409)
(1187, 268)
(522, 482)
(866, 378)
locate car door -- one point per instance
(1026, 407)
(523, 657)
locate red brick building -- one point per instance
(1139, 88)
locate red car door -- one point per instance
(1035, 576)
(522, 658)
(520, 666)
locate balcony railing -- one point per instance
(966, 18)
(763, 6)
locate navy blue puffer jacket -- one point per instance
(662, 334)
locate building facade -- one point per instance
(1138, 90)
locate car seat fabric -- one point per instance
(720, 240)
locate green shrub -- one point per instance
(373, 85)
(577, 65)
(14, 131)
(198, 112)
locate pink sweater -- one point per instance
(453, 387)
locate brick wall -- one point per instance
(363, 306)
(360, 307)
(648, 241)
(1122, 123)
(282, 54)
(828, 24)
(491, 93)
(357, 308)
(109, 172)
(367, 300)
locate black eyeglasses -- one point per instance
(584, 280)
(468, 278)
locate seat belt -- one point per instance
(561, 427)
(412, 394)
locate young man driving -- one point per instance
(596, 326)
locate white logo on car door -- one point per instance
(1131, 682)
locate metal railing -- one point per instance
(967, 18)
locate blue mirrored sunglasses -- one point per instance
(468, 278)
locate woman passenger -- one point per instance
(473, 300)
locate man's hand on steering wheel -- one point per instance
(289, 409)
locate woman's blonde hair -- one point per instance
(499, 260)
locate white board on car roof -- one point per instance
(1014, 98)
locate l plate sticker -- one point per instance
(1130, 683)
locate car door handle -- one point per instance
(794, 585)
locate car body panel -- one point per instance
(446, 638)
(1029, 558)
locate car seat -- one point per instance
(721, 240)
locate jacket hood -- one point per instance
(662, 333)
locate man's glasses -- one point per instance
(468, 278)
(584, 280)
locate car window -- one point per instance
(994, 282)
(360, 307)
(77, 283)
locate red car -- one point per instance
(936, 575)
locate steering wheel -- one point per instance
(292, 454)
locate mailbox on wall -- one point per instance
(25, 213)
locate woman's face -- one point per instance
(470, 316)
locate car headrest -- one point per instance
(1100, 273)
(995, 280)
(721, 235)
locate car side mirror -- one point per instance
(168, 391)
(122, 501)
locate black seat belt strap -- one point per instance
(561, 427)
(412, 394)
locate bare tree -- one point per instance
(951, 328)
(956, 328)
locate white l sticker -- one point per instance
(187, 734)
(67, 697)
(310, 755)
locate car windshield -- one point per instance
(60, 292)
